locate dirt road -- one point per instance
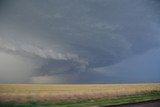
(155, 103)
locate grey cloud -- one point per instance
(54, 62)
(73, 37)
(140, 68)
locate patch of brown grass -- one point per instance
(38, 92)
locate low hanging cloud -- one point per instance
(44, 62)
(56, 41)
(51, 62)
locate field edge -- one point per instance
(153, 95)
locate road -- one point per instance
(154, 103)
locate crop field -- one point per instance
(55, 93)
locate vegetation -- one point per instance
(36, 95)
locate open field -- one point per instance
(66, 94)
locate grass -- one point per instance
(27, 95)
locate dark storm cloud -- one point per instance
(140, 68)
(74, 37)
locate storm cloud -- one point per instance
(79, 41)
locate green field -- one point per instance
(88, 95)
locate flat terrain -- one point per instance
(76, 95)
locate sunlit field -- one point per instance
(58, 93)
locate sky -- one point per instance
(79, 41)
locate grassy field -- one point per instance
(28, 95)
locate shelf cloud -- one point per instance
(78, 41)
